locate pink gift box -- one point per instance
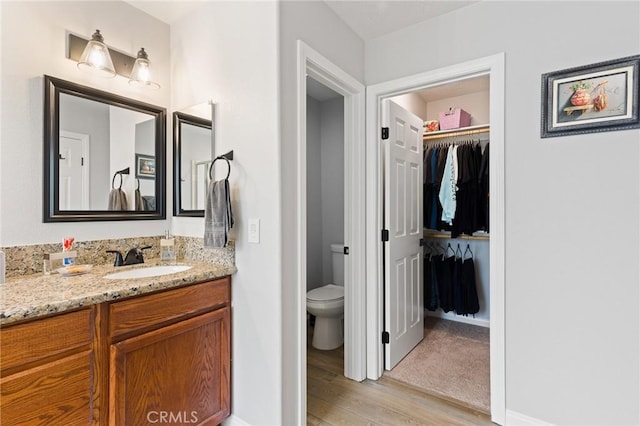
(454, 119)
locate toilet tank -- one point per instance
(337, 263)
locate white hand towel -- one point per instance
(218, 217)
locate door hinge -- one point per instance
(385, 337)
(385, 235)
(423, 242)
(82, 161)
(385, 133)
(346, 250)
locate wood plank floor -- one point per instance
(332, 399)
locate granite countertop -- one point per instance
(37, 295)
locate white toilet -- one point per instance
(326, 303)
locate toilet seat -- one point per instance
(326, 293)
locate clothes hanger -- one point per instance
(450, 248)
(458, 250)
(468, 249)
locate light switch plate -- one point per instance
(254, 231)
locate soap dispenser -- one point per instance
(167, 249)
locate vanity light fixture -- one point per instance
(96, 58)
(140, 74)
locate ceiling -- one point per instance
(167, 11)
(374, 18)
(367, 18)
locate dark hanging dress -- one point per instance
(430, 284)
(483, 191)
(469, 290)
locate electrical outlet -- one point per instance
(254, 231)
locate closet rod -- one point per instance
(448, 134)
(431, 234)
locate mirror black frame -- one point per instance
(53, 87)
(180, 118)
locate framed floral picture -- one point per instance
(599, 97)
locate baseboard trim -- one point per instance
(459, 318)
(518, 419)
(234, 421)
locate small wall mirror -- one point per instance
(192, 153)
(104, 155)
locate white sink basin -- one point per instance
(146, 272)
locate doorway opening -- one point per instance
(444, 347)
(325, 216)
(377, 95)
(314, 68)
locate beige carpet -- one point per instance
(452, 361)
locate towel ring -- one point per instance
(113, 181)
(220, 158)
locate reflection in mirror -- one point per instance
(192, 153)
(104, 155)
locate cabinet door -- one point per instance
(56, 393)
(177, 374)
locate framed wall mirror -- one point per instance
(104, 155)
(192, 153)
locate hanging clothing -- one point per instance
(471, 304)
(466, 218)
(447, 195)
(427, 188)
(483, 191)
(442, 159)
(430, 284)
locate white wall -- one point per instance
(227, 52)
(39, 28)
(412, 102)
(332, 179)
(572, 297)
(319, 27)
(314, 195)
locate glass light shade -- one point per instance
(96, 58)
(140, 74)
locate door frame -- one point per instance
(313, 64)
(494, 67)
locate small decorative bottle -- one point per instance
(167, 249)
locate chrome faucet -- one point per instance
(134, 256)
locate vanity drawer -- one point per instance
(40, 338)
(146, 312)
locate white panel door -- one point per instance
(74, 173)
(403, 219)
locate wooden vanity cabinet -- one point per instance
(163, 358)
(169, 356)
(47, 371)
